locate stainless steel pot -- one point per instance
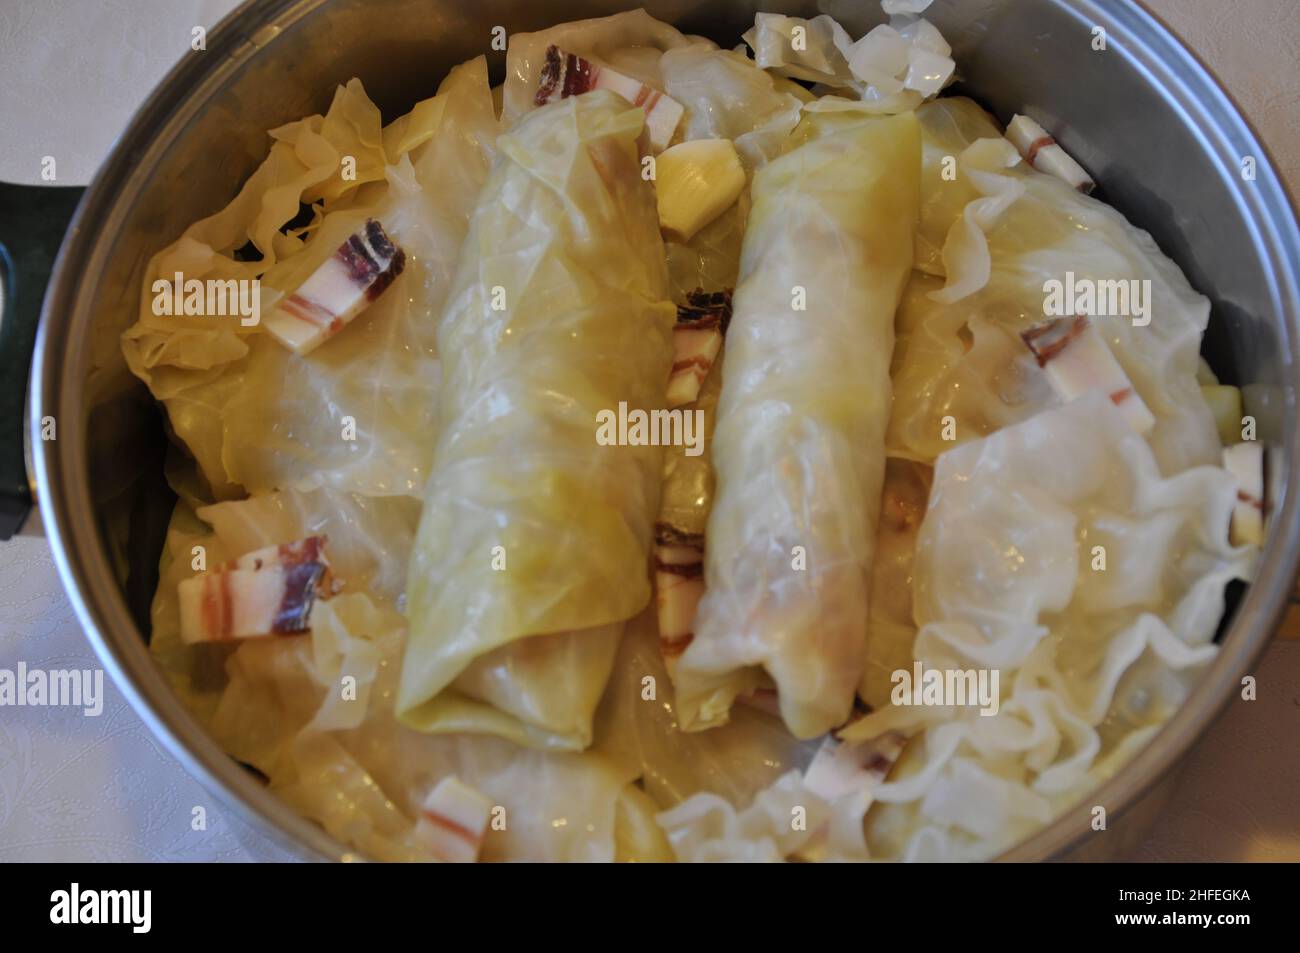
(1143, 116)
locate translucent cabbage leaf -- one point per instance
(355, 414)
(960, 355)
(726, 96)
(352, 767)
(637, 727)
(344, 760)
(890, 624)
(1056, 554)
(368, 543)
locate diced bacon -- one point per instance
(1044, 154)
(566, 74)
(841, 768)
(1077, 359)
(697, 338)
(452, 822)
(356, 274)
(1245, 461)
(679, 585)
(267, 592)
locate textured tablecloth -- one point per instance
(102, 788)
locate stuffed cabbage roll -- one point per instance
(533, 545)
(799, 441)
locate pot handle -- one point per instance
(33, 220)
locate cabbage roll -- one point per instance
(799, 440)
(533, 546)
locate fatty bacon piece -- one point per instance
(679, 584)
(266, 592)
(453, 820)
(845, 775)
(567, 74)
(1043, 153)
(356, 274)
(697, 338)
(1077, 360)
(1245, 461)
(688, 481)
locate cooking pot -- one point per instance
(1165, 143)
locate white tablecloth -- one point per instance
(102, 788)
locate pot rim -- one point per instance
(1187, 86)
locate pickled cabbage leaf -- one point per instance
(637, 726)
(355, 414)
(345, 761)
(811, 50)
(1056, 554)
(368, 543)
(960, 355)
(707, 828)
(891, 69)
(352, 767)
(799, 444)
(689, 482)
(533, 546)
(726, 96)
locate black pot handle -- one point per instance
(33, 220)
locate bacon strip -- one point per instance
(356, 274)
(1077, 359)
(841, 768)
(452, 822)
(1050, 338)
(697, 339)
(1245, 461)
(567, 74)
(1044, 153)
(267, 592)
(679, 586)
